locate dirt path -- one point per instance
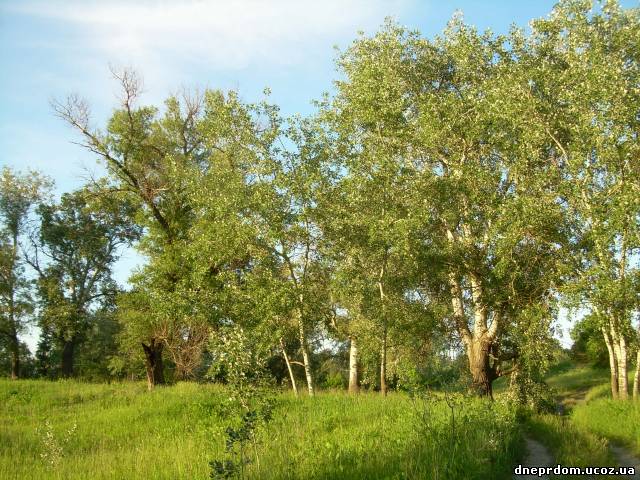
(537, 456)
(624, 458)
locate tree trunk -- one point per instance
(383, 350)
(482, 375)
(383, 364)
(613, 363)
(353, 366)
(623, 384)
(153, 363)
(68, 351)
(636, 378)
(286, 360)
(620, 349)
(14, 343)
(15, 356)
(306, 359)
(478, 343)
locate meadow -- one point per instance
(591, 421)
(585, 393)
(72, 430)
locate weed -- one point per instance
(53, 448)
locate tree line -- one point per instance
(438, 208)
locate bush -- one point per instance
(335, 380)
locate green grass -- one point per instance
(172, 433)
(594, 418)
(572, 382)
(586, 391)
(568, 443)
(615, 420)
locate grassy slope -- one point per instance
(125, 432)
(581, 439)
(585, 390)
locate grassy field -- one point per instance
(122, 431)
(570, 444)
(593, 420)
(573, 383)
(617, 421)
(586, 392)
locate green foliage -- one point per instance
(250, 400)
(335, 380)
(441, 191)
(79, 241)
(18, 194)
(588, 344)
(28, 365)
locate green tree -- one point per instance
(18, 193)
(590, 65)
(186, 171)
(79, 240)
(289, 237)
(146, 157)
(480, 180)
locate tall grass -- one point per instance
(593, 420)
(575, 380)
(122, 431)
(570, 444)
(616, 420)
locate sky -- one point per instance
(49, 49)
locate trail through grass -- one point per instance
(584, 436)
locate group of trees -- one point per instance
(444, 199)
(70, 249)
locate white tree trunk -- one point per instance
(383, 364)
(286, 360)
(620, 349)
(353, 366)
(306, 360)
(636, 378)
(613, 363)
(623, 384)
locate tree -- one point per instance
(587, 341)
(368, 212)
(289, 236)
(179, 168)
(145, 157)
(480, 181)
(591, 65)
(79, 240)
(18, 193)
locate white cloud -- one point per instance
(220, 34)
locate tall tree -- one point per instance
(368, 215)
(288, 231)
(481, 180)
(180, 168)
(591, 65)
(18, 193)
(145, 157)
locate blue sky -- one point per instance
(49, 49)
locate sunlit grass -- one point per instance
(125, 432)
(616, 420)
(568, 443)
(593, 416)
